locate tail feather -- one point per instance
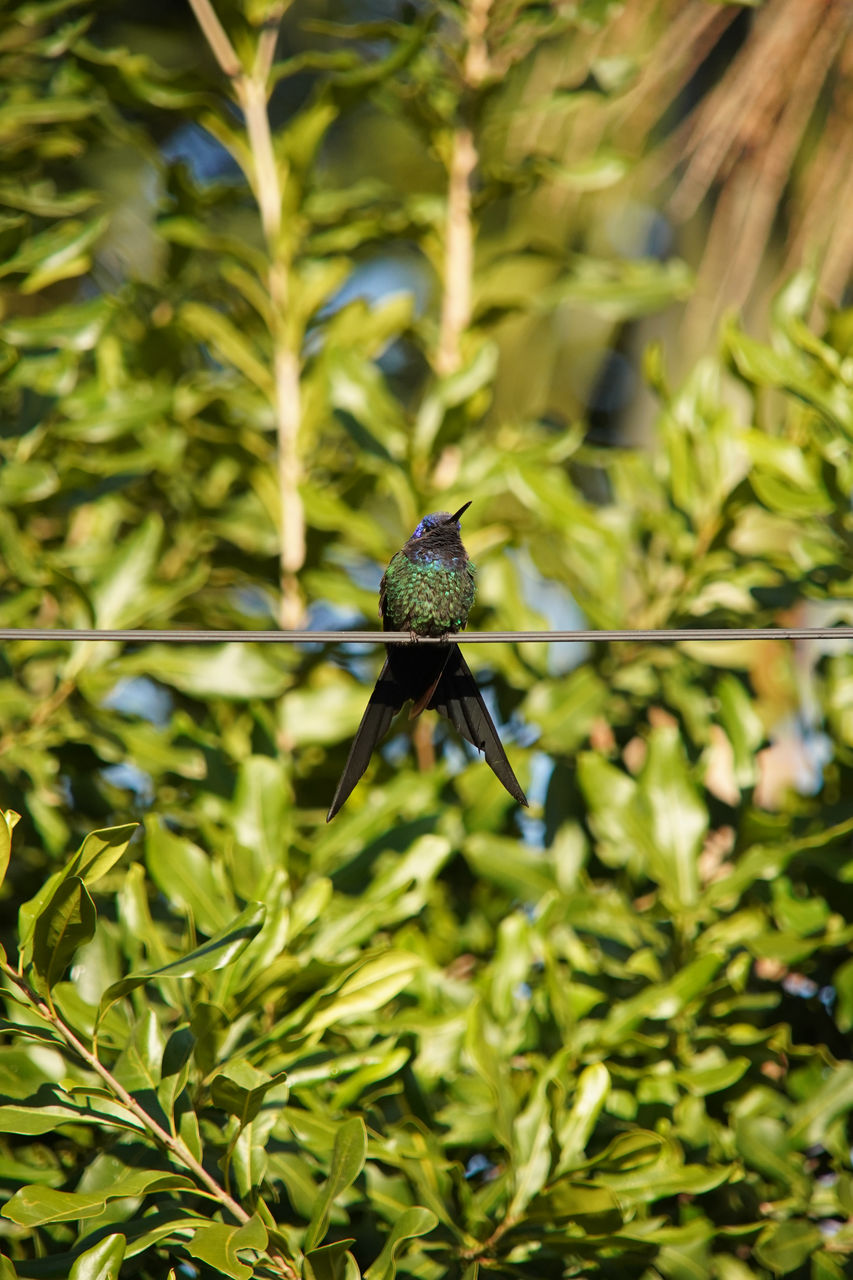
(386, 700)
(435, 677)
(458, 698)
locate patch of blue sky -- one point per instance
(383, 277)
(375, 281)
(139, 696)
(255, 600)
(533, 828)
(560, 610)
(128, 777)
(363, 571)
(204, 156)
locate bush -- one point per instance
(438, 1037)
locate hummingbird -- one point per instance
(427, 589)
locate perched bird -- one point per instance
(428, 589)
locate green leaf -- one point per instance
(454, 390)
(764, 1145)
(261, 807)
(8, 821)
(575, 1130)
(36, 1206)
(190, 879)
(219, 1244)
(657, 823)
(40, 1118)
(329, 1261)
(229, 671)
(519, 870)
(661, 1001)
(759, 363)
(59, 253)
(810, 1119)
(618, 290)
(241, 1100)
(532, 1137)
(372, 985)
(66, 922)
(412, 1223)
(595, 1209)
(77, 327)
(785, 1246)
(98, 853)
(348, 1155)
(118, 598)
(209, 957)
(53, 111)
(221, 335)
(679, 819)
(101, 1262)
(704, 1080)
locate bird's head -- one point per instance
(439, 520)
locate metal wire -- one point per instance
(673, 635)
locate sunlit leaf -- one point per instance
(219, 1244)
(347, 1161)
(412, 1223)
(67, 921)
(101, 1262)
(35, 1206)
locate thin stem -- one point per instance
(288, 415)
(286, 363)
(458, 253)
(174, 1145)
(216, 36)
(424, 745)
(252, 90)
(457, 287)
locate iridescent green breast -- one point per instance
(427, 595)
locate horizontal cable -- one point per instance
(679, 634)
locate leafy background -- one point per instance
(274, 282)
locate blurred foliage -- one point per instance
(753, 168)
(437, 1038)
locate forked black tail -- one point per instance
(414, 672)
(458, 698)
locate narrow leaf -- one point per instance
(102, 1262)
(212, 955)
(8, 819)
(98, 853)
(348, 1156)
(35, 1206)
(410, 1224)
(67, 921)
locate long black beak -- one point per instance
(455, 517)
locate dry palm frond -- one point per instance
(769, 145)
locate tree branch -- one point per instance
(174, 1145)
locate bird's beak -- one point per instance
(455, 517)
